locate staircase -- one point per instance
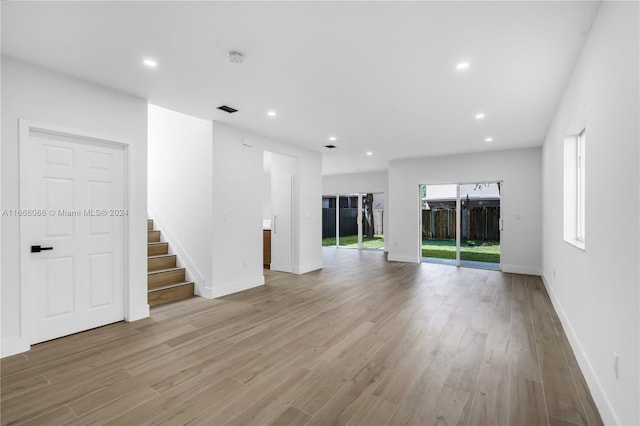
(165, 281)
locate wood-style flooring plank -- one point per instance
(362, 341)
(290, 416)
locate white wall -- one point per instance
(596, 291)
(180, 188)
(37, 94)
(352, 183)
(520, 171)
(238, 173)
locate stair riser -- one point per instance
(170, 295)
(149, 224)
(161, 263)
(165, 278)
(153, 236)
(157, 249)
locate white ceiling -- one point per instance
(378, 75)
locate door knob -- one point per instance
(38, 249)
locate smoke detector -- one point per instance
(236, 57)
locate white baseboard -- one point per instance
(303, 269)
(605, 408)
(234, 287)
(137, 313)
(402, 258)
(13, 346)
(206, 292)
(520, 269)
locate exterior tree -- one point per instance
(369, 214)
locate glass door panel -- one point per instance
(348, 221)
(438, 217)
(480, 225)
(373, 221)
(329, 225)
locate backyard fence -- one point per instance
(349, 222)
(482, 224)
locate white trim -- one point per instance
(603, 404)
(13, 346)
(303, 269)
(206, 292)
(136, 313)
(131, 312)
(575, 243)
(520, 269)
(458, 225)
(234, 287)
(403, 258)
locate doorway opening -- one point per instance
(460, 224)
(353, 221)
(277, 211)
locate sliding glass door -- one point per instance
(438, 214)
(353, 221)
(347, 221)
(480, 225)
(460, 224)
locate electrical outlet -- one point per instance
(616, 365)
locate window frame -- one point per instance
(574, 189)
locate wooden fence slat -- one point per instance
(482, 224)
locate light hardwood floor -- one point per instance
(363, 341)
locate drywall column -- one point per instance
(238, 173)
(180, 189)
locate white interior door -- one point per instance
(76, 189)
(282, 223)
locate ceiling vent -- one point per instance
(227, 108)
(330, 146)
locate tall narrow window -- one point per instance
(574, 189)
(580, 187)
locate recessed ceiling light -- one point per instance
(462, 66)
(271, 113)
(369, 153)
(488, 139)
(150, 63)
(479, 116)
(332, 138)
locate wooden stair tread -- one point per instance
(166, 287)
(166, 282)
(159, 271)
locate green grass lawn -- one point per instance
(483, 251)
(376, 242)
